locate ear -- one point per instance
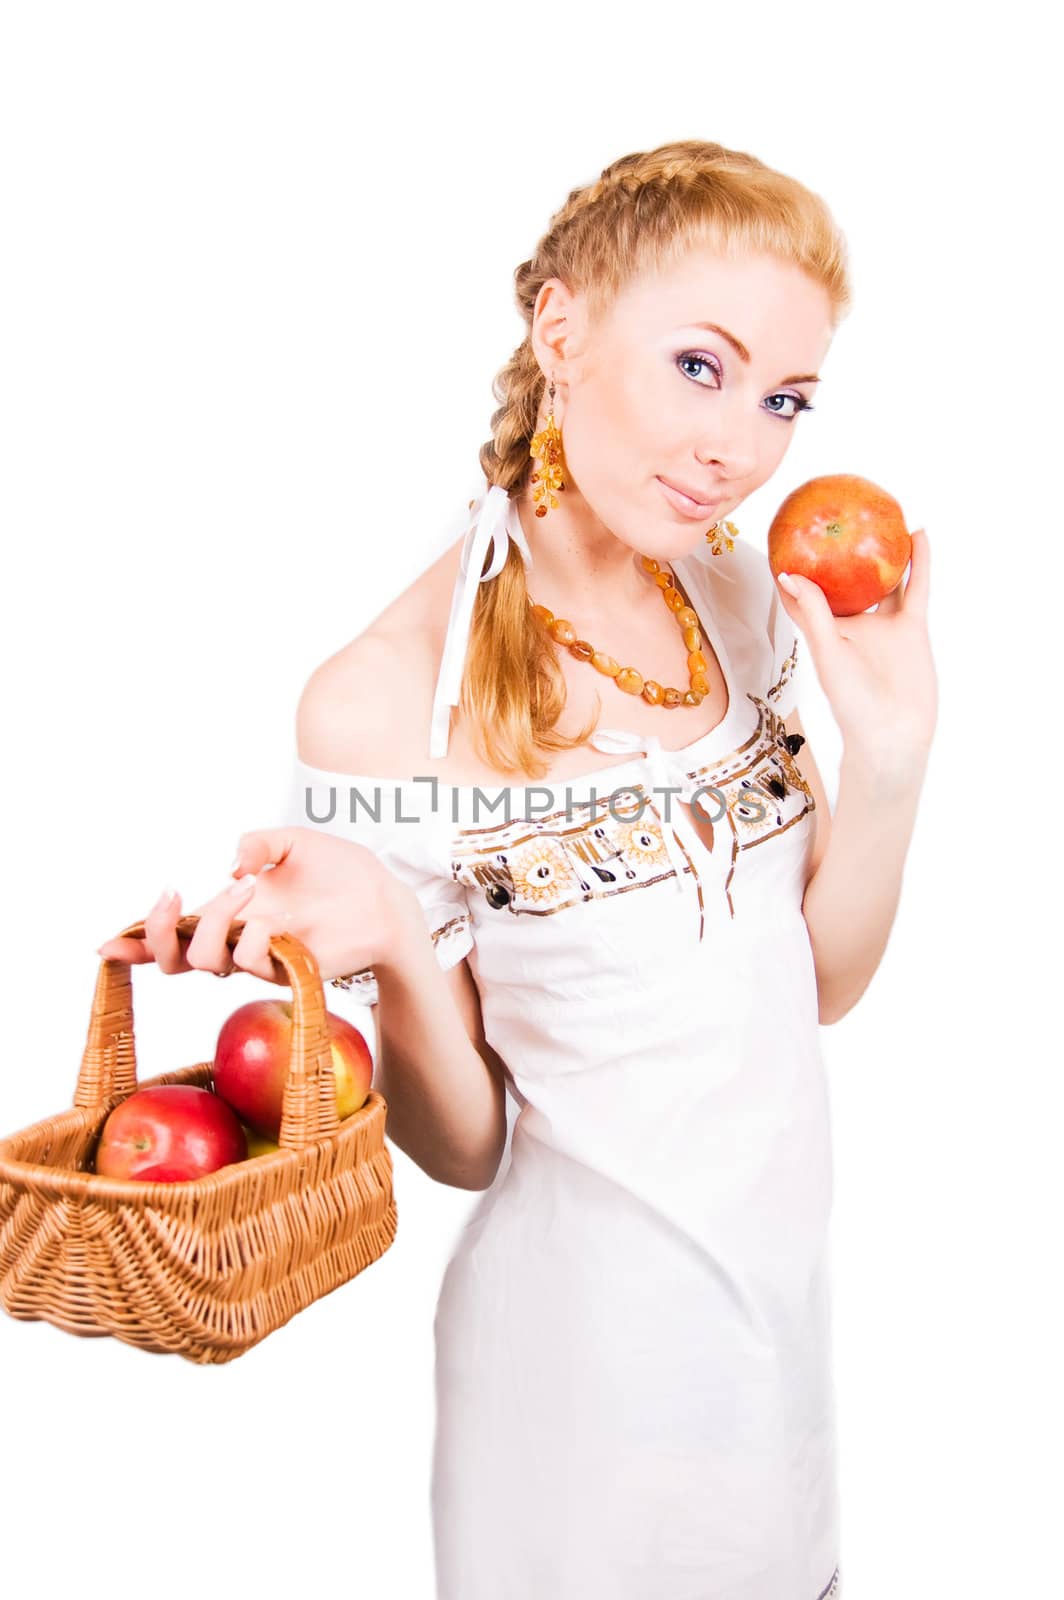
(559, 331)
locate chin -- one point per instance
(673, 544)
(667, 553)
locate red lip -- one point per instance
(707, 505)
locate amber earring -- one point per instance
(546, 449)
(721, 537)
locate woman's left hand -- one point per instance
(875, 668)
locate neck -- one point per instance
(579, 568)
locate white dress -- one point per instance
(634, 1387)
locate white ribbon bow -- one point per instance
(493, 522)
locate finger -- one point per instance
(810, 610)
(134, 952)
(208, 949)
(266, 846)
(916, 590)
(893, 601)
(252, 952)
(160, 933)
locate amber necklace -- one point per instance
(627, 678)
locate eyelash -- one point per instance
(800, 401)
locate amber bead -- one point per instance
(629, 679)
(605, 664)
(541, 511)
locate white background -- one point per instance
(255, 282)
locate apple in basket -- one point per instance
(168, 1133)
(167, 1172)
(257, 1145)
(251, 1063)
(847, 535)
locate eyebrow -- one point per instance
(744, 354)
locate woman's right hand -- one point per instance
(333, 895)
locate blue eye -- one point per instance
(800, 404)
(699, 359)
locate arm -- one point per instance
(444, 1085)
(851, 897)
(443, 1082)
(878, 675)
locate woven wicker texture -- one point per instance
(203, 1269)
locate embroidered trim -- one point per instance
(770, 776)
(539, 869)
(833, 1588)
(364, 981)
(543, 872)
(464, 919)
(786, 674)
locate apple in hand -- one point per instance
(847, 535)
(251, 1063)
(170, 1132)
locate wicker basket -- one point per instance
(208, 1267)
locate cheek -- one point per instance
(775, 438)
(607, 424)
(633, 420)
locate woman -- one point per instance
(634, 1382)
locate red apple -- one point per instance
(166, 1172)
(251, 1063)
(847, 535)
(176, 1126)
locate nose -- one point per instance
(732, 449)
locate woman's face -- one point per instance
(646, 394)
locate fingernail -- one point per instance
(242, 885)
(787, 582)
(235, 865)
(164, 899)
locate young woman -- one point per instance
(637, 933)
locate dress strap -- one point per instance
(493, 522)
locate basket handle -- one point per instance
(109, 1064)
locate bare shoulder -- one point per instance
(347, 704)
(367, 707)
